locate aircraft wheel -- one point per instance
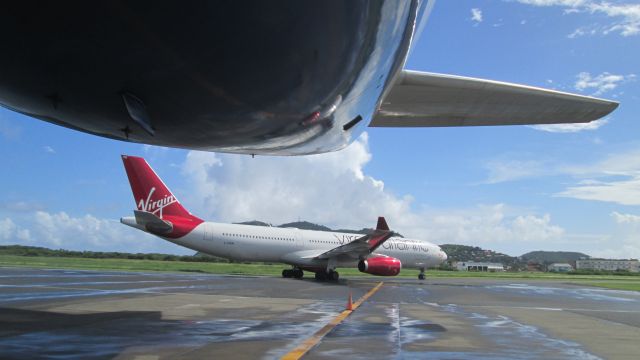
(321, 276)
(298, 274)
(421, 276)
(286, 273)
(334, 276)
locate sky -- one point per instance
(512, 189)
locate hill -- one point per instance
(549, 257)
(305, 225)
(474, 253)
(33, 251)
(254, 223)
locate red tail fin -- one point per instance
(149, 192)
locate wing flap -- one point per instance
(420, 99)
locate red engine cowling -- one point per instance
(381, 266)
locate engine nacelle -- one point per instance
(381, 266)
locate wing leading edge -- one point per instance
(420, 99)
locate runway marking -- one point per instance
(312, 341)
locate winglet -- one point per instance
(362, 246)
(382, 224)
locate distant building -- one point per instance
(534, 266)
(560, 267)
(631, 265)
(479, 266)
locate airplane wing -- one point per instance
(363, 246)
(420, 99)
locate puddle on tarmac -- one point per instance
(508, 339)
(111, 337)
(515, 340)
(577, 293)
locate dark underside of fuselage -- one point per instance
(239, 76)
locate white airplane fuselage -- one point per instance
(377, 252)
(288, 245)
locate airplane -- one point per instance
(378, 252)
(250, 77)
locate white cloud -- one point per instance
(625, 17)
(626, 235)
(601, 83)
(624, 250)
(582, 31)
(625, 218)
(615, 179)
(630, 14)
(334, 190)
(625, 192)
(511, 170)
(571, 128)
(154, 150)
(60, 230)
(10, 231)
(476, 15)
(570, 3)
(49, 149)
(329, 188)
(625, 164)
(491, 225)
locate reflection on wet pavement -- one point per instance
(101, 315)
(579, 293)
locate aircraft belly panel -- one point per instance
(238, 76)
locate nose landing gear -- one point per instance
(421, 275)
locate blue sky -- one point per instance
(512, 189)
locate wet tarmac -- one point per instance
(63, 314)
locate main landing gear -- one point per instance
(332, 275)
(421, 275)
(292, 273)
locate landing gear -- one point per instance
(292, 273)
(332, 275)
(421, 275)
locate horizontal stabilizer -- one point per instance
(152, 223)
(419, 99)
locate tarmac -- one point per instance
(69, 314)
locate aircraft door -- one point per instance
(299, 239)
(208, 234)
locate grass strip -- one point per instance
(607, 281)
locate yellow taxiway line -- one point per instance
(312, 341)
